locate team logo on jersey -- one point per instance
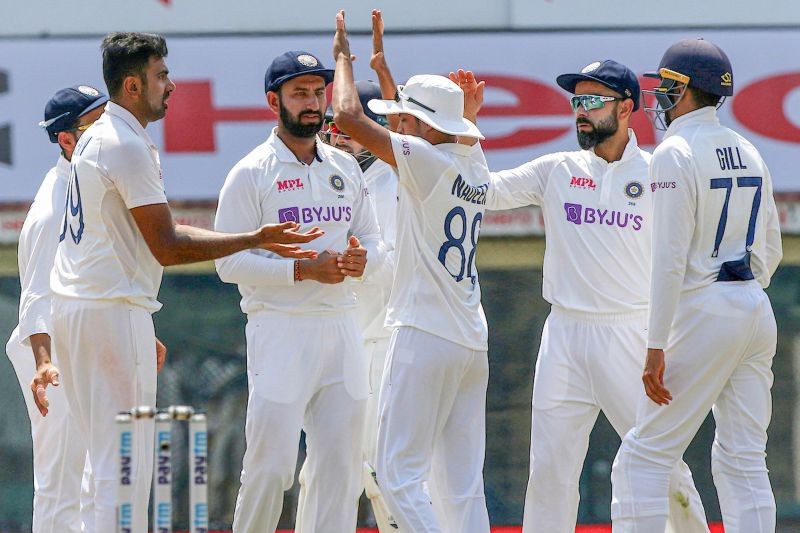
(579, 214)
(337, 182)
(634, 189)
(295, 184)
(307, 60)
(582, 183)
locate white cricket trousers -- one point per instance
(589, 362)
(310, 373)
(719, 358)
(107, 355)
(59, 451)
(376, 351)
(432, 428)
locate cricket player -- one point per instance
(433, 395)
(597, 212)
(711, 331)
(116, 234)
(59, 450)
(305, 356)
(372, 294)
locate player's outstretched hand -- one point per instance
(280, 239)
(473, 92)
(378, 60)
(161, 355)
(354, 259)
(324, 269)
(340, 43)
(46, 374)
(653, 377)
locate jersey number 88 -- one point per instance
(467, 260)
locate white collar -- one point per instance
(119, 111)
(631, 149)
(704, 115)
(63, 168)
(285, 155)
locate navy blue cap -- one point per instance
(706, 65)
(367, 90)
(291, 65)
(613, 75)
(67, 106)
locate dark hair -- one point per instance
(703, 98)
(128, 54)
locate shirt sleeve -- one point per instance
(419, 163)
(37, 252)
(673, 226)
(774, 246)
(364, 225)
(135, 173)
(239, 211)
(521, 186)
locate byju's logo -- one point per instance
(662, 185)
(573, 212)
(578, 214)
(289, 214)
(308, 215)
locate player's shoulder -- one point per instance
(741, 140)
(672, 146)
(380, 169)
(337, 157)
(569, 158)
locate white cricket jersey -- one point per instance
(442, 192)
(372, 294)
(713, 202)
(597, 225)
(270, 185)
(38, 241)
(102, 254)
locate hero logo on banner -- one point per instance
(189, 124)
(759, 106)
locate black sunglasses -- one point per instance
(400, 95)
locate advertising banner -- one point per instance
(218, 112)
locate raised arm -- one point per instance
(473, 98)
(379, 64)
(347, 111)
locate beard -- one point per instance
(601, 131)
(298, 128)
(159, 111)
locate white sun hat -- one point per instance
(435, 100)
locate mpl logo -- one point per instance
(578, 214)
(583, 183)
(290, 185)
(308, 215)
